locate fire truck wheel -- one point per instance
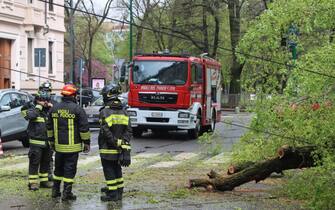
(194, 133)
(212, 128)
(137, 133)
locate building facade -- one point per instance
(31, 43)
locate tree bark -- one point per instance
(235, 33)
(233, 169)
(205, 28)
(89, 66)
(287, 158)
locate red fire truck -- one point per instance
(174, 92)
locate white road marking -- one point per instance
(146, 155)
(220, 158)
(185, 156)
(165, 164)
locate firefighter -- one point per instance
(39, 149)
(114, 146)
(69, 133)
(46, 86)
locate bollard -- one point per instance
(237, 110)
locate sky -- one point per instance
(114, 13)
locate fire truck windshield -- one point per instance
(159, 72)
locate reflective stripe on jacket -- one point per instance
(115, 130)
(68, 127)
(37, 127)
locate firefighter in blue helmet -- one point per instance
(114, 142)
(39, 149)
(69, 134)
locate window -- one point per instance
(23, 99)
(160, 72)
(197, 74)
(30, 56)
(50, 58)
(214, 99)
(5, 101)
(51, 5)
(16, 101)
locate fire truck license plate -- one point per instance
(157, 114)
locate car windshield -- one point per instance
(160, 72)
(98, 102)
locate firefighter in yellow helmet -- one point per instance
(69, 134)
(114, 142)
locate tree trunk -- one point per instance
(173, 27)
(236, 67)
(287, 158)
(233, 169)
(205, 28)
(89, 66)
(216, 36)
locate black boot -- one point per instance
(120, 193)
(33, 186)
(56, 189)
(111, 195)
(104, 189)
(46, 184)
(67, 192)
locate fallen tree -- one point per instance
(234, 168)
(286, 158)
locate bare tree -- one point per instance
(70, 9)
(93, 23)
(189, 29)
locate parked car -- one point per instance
(12, 125)
(92, 111)
(88, 96)
(56, 98)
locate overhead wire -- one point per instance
(32, 75)
(173, 34)
(176, 36)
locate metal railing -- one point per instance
(241, 100)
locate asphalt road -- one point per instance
(171, 142)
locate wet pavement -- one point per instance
(158, 177)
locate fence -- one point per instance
(233, 100)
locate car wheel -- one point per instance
(25, 142)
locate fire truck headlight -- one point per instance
(183, 115)
(132, 113)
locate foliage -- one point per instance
(270, 35)
(303, 113)
(319, 191)
(210, 143)
(181, 193)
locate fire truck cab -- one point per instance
(174, 92)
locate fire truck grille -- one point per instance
(153, 119)
(158, 98)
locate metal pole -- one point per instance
(71, 33)
(81, 81)
(131, 31)
(39, 67)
